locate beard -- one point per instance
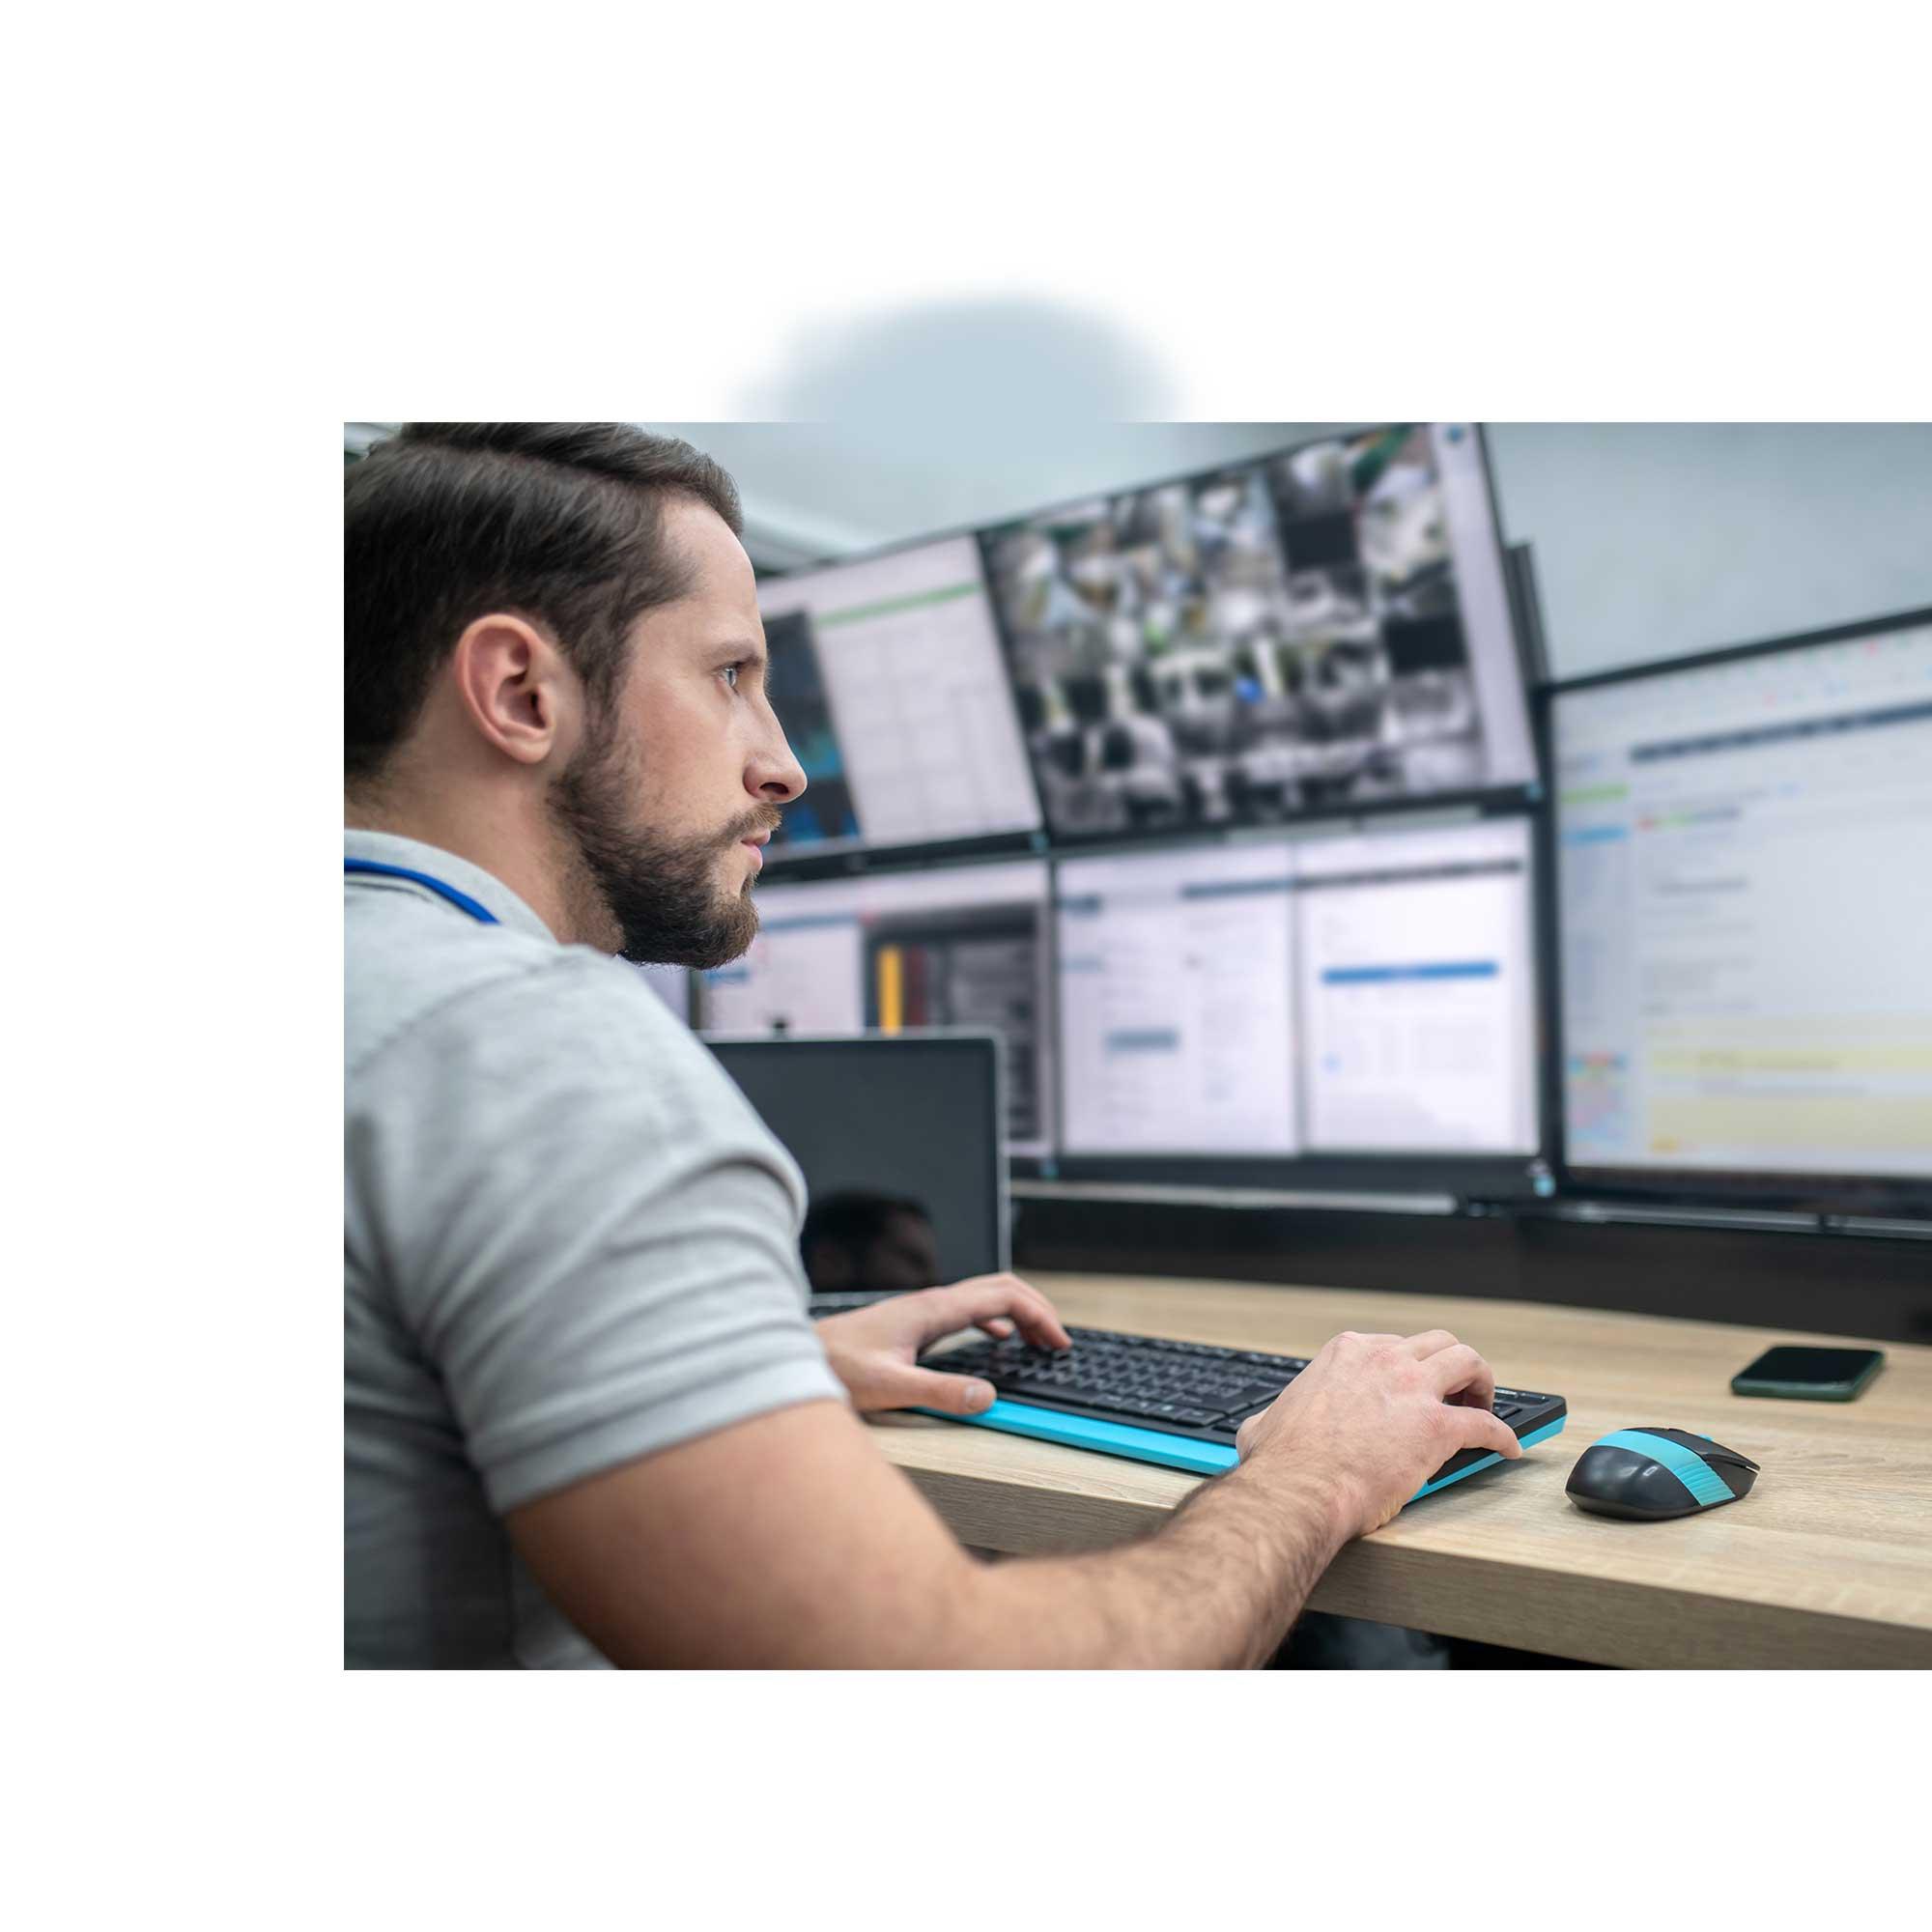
(662, 895)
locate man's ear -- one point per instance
(514, 684)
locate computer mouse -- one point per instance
(1650, 1476)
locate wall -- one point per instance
(1654, 540)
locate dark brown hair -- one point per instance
(560, 523)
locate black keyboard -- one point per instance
(1182, 1388)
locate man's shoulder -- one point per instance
(446, 979)
(408, 964)
(444, 1006)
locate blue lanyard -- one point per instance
(438, 886)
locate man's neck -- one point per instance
(495, 842)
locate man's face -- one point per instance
(677, 785)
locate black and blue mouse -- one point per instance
(1649, 1475)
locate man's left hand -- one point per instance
(873, 1351)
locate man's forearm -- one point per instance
(1217, 1585)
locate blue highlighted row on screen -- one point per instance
(1444, 969)
(1145, 1039)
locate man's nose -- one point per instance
(777, 776)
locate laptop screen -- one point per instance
(900, 1141)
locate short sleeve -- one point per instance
(581, 1224)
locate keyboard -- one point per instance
(1174, 1402)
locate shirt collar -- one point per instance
(388, 848)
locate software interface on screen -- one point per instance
(887, 678)
(1746, 913)
(965, 947)
(1323, 627)
(1370, 994)
(1176, 1004)
(1415, 968)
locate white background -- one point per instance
(241, 229)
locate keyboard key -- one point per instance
(1086, 1397)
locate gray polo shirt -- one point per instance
(567, 1242)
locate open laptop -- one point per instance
(901, 1140)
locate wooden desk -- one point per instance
(1828, 1562)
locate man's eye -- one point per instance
(731, 675)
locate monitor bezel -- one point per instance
(1801, 1191)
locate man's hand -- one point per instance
(872, 1349)
(1373, 1417)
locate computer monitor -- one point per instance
(900, 1145)
(1327, 628)
(964, 946)
(1744, 920)
(886, 674)
(1304, 1010)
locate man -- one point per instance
(586, 1419)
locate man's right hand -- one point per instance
(1373, 1417)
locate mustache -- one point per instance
(762, 819)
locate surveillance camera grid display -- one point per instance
(1265, 640)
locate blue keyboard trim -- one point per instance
(1704, 1483)
(1528, 1441)
(1157, 1445)
(1112, 1438)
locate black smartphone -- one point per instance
(1811, 1375)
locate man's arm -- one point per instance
(788, 1539)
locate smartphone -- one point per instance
(1811, 1374)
